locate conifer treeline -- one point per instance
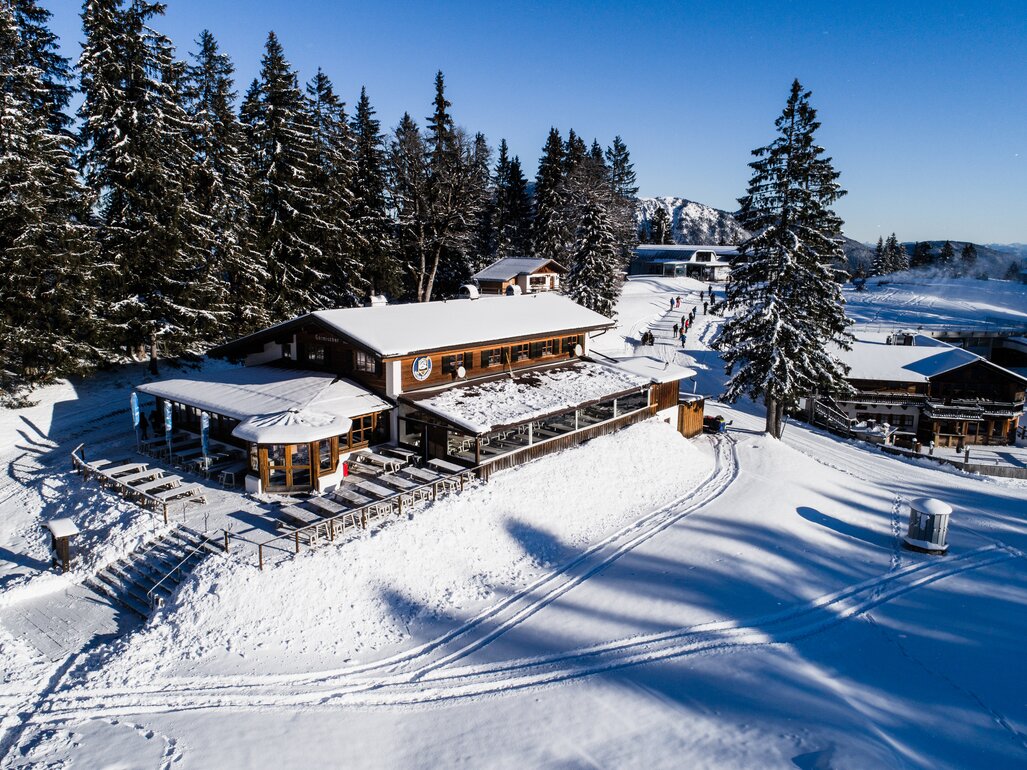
(172, 214)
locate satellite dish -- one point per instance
(578, 350)
(461, 372)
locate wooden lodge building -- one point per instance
(928, 391)
(524, 275)
(487, 383)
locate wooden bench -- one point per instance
(388, 463)
(163, 481)
(192, 491)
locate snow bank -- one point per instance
(347, 601)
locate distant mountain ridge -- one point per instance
(696, 223)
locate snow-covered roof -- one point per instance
(274, 405)
(653, 368)
(511, 267)
(62, 527)
(480, 407)
(397, 330)
(877, 360)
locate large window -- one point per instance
(568, 343)
(316, 354)
(363, 427)
(492, 357)
(365, 362)
(519, 352)
(453, 362)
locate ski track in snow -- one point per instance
(433, 687)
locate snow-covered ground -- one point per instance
(637, 601)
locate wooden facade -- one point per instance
(690, 417)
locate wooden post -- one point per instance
(226, 541)
(399, 502)
(461, 482)
(165, 514)
(260, 556)
(296, 534)
(531, 426)
(363, 518)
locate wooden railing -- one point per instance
(341, 522)
(80, 465)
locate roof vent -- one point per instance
(469, 291)
(377, 300)
(513, 290)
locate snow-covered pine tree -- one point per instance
(484, 242)
(895, 255)
(137, 164)
(967, 258)
(879, 265)
(548, 237)
(659, 227)
(621, 175)
(592, 280)
(785, 288)
(408, 198)
(220, 188)
(39, 49)
(922, 254)
(513, 206)
(622, 171)
(947, 256)
(335, 169)
(47, 296)
(370, 217)
(288, 231)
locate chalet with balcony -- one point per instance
(523, 275)
(927, 390)
(483, 383)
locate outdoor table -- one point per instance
(423, 474)
(375, 489)
(178, 491)
(142, 475)
(348, 496)
(187, 455)
(228, 471)
(122, 470)
(299, 515)
(163, 481)
(398, 481)
(409, 455)
(387, 463)
(330, 507)
(446, 465)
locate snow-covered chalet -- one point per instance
(483, 383)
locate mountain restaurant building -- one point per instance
(928, 391)
(486, 383)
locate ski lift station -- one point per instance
(483, 383)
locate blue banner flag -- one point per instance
(134, 403)
(167, 424)
(205, 433)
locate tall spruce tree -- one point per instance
(947, 256)
(220, 188)
(785, 287)
(922, 254)
(512, 218)
(288, 232)
(484, 242)
(137, 163)
(968, 258)
(895, 255)
(549, 236)
(46, 289)
(659, 227)
(592, 278)
(372, 225)
(345, 284)
(39, 49)
(879, 265)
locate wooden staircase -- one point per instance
(143, 579)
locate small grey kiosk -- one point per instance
(61, 532)
(928, 525)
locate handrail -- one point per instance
(156, 601)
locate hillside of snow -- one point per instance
(692, 222)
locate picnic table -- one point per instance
(226, 472)
(143, 475)
(176, 491)
(447, 466)
(388, 463)
(376, 490)
(329, 507)
(351, 497)
(407, 455)
(304, 518)
(188, 454)
(122, 470)
(163, 481)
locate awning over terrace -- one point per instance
(508, 400)
(273, 405)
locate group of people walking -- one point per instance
(681, 329)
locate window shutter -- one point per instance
(536, 349)
(469, 360)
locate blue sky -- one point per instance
(923, 104)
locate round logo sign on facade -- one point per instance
(421, 368)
